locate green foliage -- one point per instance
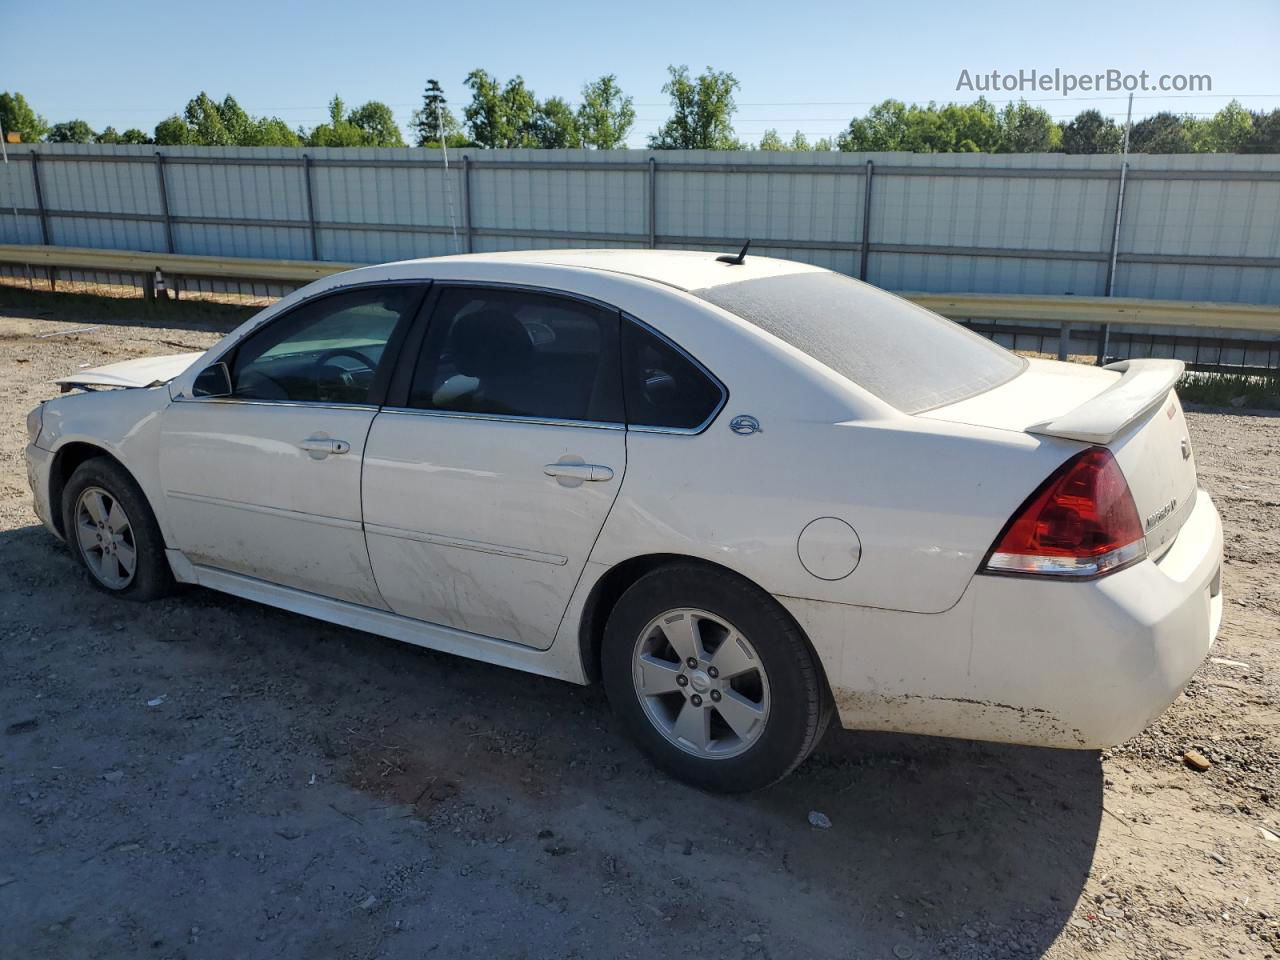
(1027, 129)
(174, 132)
(771, 141)
(434, 116)
(1227, 131)
(206, 122)
(1161, 133)
(132, 135)
(370, 125)
(702, 112)
(1091, 132)
(555, 125)
(16, 116)
(606, 114)
(1265, 137)
(892, 125)
(378, 123)
(1213, 389)
(500, 116)
(72, 131)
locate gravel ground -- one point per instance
(204, 777)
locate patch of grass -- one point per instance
(1212, 389)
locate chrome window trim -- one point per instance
(506, 418)
(711, 417)
(309, 404)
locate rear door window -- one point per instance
(519, 354)
(665, 387)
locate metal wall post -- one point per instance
(653, 203)
(1104, 333)
(466, 201)
(164, 203)
(50, 272)
(1064, 340)
(866, 221)
(311, 207)
(44, 214)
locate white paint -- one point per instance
(477, 551)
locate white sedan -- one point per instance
(745, 493)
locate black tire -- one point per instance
(800, 703)
(151, 577)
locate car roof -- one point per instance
(682, 269)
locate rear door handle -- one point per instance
(320, 447)
(579, 472)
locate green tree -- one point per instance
(338, 132)
(204, 117)
(771, 141)
(1160, 133)
(1227, 131)
(555, 125)
(1091, 132)
(378, 123)
(799, 142)
(702, 110)
(174, 132)
(16, 116)
(1027, 129)
(271, 132)
(434, 116)
(72, 131)
(132, 135)
(606, 114)
(500, 116)
(1265, 137)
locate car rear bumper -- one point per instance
(1025, 660)
(39, 462)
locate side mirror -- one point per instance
(213, 381)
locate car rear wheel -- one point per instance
(111, 529)
(713, 679)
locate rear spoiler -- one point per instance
(1143, 385)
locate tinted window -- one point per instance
(325, 351)
(905, 355)
(519, 354)
(664, 388)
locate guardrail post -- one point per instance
(311, 207)
(866, 221)
(50, 272)
(653, 203)
(164, 203)
(466, 201)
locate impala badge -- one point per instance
(1154, 519)
(1186, 449)
(744, 425)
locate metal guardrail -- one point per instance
(960, 306)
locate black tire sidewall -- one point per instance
(797, 692)
(152, 577)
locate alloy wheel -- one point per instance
(105, 538)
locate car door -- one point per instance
(266, 481)
(488, 475)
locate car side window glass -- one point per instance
(324, 351)
(663, 386)
(513, 353)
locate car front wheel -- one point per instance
(713, 679)
(111, 529)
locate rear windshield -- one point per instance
(907, 356)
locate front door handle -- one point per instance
(319, 446)
(572, 474)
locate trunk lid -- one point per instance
(142, 372)
(1128, 407)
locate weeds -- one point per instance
(1211, 389)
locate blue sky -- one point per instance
(802, 66)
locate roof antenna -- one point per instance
(733, 261)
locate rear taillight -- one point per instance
(1082, 522)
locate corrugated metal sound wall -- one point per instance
(1195, 227)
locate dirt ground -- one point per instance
(205, 777)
